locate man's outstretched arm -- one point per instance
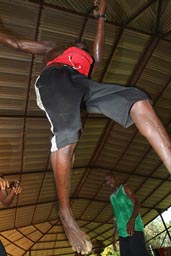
(98, 46)
(33, 47)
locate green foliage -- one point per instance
(108, 251)
(155, 234)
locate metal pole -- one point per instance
(159, 211)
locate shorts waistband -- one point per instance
(58, 64)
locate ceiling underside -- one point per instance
(137, 52)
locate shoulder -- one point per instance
(129, 193)
(120, 186)
(126, 189)
(53, 53)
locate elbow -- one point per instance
(12, 42)
(6, 204)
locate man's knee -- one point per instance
(66, 152)
(140, 107)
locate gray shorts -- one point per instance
(62, 92)
(133, 245)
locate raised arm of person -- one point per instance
(130, 224)
(7, 194)
(33, 47)
(98, 46)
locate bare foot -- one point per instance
(79, 241)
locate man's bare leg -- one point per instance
(151, 127)
(62, 161)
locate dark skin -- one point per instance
(62, 159)
(141, 112)
(113, 182)
(6, 193)
(50, 50)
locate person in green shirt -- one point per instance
(128, 222)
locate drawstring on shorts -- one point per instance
(73, 65)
